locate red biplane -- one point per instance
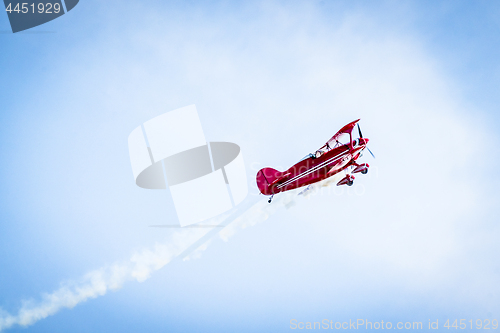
(338, 154)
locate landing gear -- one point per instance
(347, 180)
(270, 199)
(363, 168)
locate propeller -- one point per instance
(361, 136)
(370, 152)
(359, 130)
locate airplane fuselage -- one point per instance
(313, 169)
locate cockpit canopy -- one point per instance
(308, 156)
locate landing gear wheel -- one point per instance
(349, 183)
(365, 171)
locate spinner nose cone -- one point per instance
(364, 141)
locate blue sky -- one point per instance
(415, 239)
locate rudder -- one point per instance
(265, 177)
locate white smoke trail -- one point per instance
(98, 282)
(140, 266)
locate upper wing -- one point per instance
(347, 129)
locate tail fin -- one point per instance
(266, 177)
